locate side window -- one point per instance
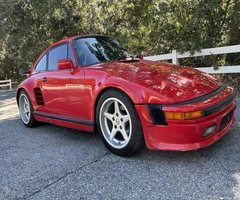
(41, 66)
(71, 56)
(56, 54)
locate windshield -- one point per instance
(97, 49)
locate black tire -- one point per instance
(32, 122)
(136, 139)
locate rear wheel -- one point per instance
(118, 123)
(26, 110)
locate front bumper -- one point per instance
(183, 135)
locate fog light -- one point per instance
(209, 130)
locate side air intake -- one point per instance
(38, 96)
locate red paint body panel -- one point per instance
(203, 104)
(182, 136)
(176, 83)
(65, 88)
(74, 93)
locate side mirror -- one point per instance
(140, 57)
(24, 71)
(65, 64)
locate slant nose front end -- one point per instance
(188, 125)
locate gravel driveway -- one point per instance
(51, 162)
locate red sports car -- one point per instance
(93, 83)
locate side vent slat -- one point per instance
(38, 96)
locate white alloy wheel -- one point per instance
(115, 123)
(24, 108)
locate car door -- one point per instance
(39, 72)
(64, 89)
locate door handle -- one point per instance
(44, 79)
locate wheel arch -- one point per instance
(21, 88)
(101, 93)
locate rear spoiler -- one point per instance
(24, 71)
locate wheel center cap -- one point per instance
(117, 121)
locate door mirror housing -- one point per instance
(65, 64)
(140, 57)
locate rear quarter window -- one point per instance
(42, 64)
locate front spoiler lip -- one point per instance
(198, 145)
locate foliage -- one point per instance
(27, 27)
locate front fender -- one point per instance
(96, 82)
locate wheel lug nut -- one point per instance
(117, 114)
(113, 119)
(115, 126)
(121, 119)
(120, 127)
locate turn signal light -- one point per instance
(183, 115)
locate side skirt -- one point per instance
(64, 121)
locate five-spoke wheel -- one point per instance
(118, 123)
(115, 123)
(26, 109)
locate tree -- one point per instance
(27, 27)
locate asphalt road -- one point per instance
(51, 162)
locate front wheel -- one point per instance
(118, 123)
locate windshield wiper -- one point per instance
(128, 57)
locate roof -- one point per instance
(69, 39)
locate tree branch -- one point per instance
(225, 16)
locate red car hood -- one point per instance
(175, 82)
